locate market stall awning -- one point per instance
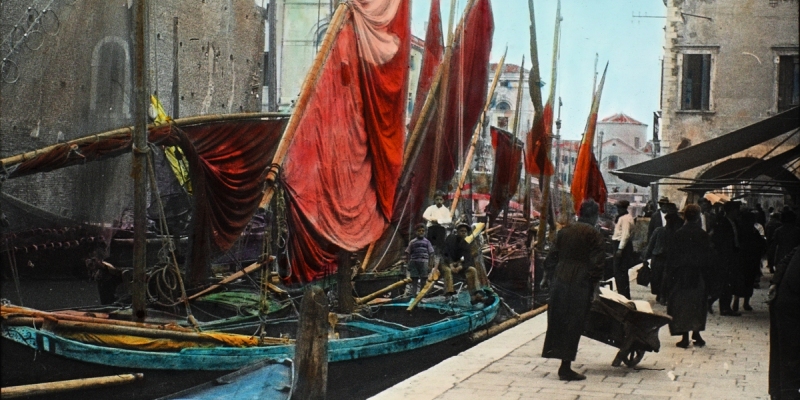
(644, 173)
(747, 169)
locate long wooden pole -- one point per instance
(520, 91)
(47, 388)
(336, 24)
(545, 204)
(432, 99)
(534, 80)
(139, 167)
(127, 131)
(476, 134)
(509, 323)
(443, 95)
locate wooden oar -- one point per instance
(428, 285)
(367, 298)
(231, 278)
(14, 392)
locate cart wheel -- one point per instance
(633, 357)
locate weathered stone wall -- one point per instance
(80, 82)
(744, 37)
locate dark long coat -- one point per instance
(575, 265)
(784, 348)
(753, 248)
(686, 274)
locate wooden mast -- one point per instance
(444, 87)
(476, 134)
(545, 204)
(336, 24)
(141, 103)
(534, 80)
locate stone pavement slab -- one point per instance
(733, 365)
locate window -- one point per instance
(265, 77)
(612, 162)
(788, 82)
(502, 122)
(696, 85)
(109, 93)
(636, 142)
(503, 106)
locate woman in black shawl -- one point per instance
(685, 279)
(572, 270)
(657, 252)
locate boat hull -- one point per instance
(381, 338)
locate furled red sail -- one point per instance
(536, 160)
(505, 179)
(227, 158)
(467, 87)
(588, 183)
(343, 165)
(431, 58)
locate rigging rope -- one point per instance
(167, 244)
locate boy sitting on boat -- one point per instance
(419, 254)
(457, 258)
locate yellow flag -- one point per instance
(174, 154)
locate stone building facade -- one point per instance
(300, 29)
(621, 142)
(502, 110)
(727, 64)
(71, 76)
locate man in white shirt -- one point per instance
(438, 218)
(623, 248)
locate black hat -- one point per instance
(663, 200)
(623, 203)
(468, 226)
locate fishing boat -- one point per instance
(378, 330)
(267, 380)
(320, 211)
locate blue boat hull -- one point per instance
(381, 338)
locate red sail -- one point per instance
(587, 182)
(536, 160)
(505, 179)
(342, 168)
(467, 87)
(431, 58)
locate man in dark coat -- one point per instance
(457, 259)
(784, 316)
(787, 237)
(687, 271)
(727, 246)
(658, 218)
(572, 270)
(658, 251)
(769, 231)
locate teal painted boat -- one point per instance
(264, 380)
(378, 330)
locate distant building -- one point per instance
(502, 110)
(300, 29)
(621, 142)
(728, 65)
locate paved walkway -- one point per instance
(732, 365)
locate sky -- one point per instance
(632, 46)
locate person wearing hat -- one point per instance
(659, 218)
(686, 279)
(457, 259)
(623, 248)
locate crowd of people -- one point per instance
(699, 256)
